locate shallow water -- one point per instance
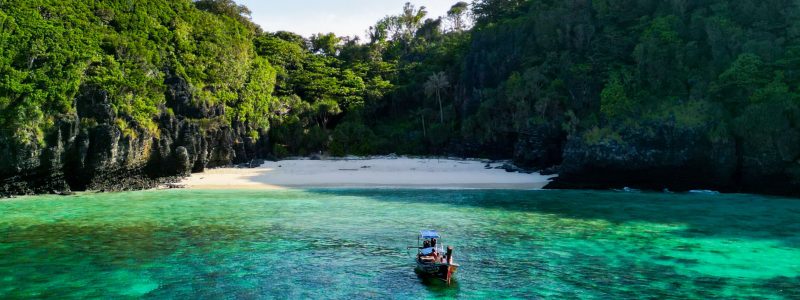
(351, 243)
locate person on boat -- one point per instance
(427, 253)
(433, 243)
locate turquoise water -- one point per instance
(351, 243)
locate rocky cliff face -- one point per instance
(540, 147)
(98, 149)
(678, 160)
(668, 158)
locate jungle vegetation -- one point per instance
(486, 73)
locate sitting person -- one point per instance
(427, 251)
(426, 259)
(426, 254)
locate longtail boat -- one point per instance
(432, 258)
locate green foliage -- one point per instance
(745, 71)
(614, 101)
(658, 55)
(458, 14)
(434, 86)
(256, 99)
(280, 151)
(53, 48)
(770, 135)
(692, 114)
(126, 130)
(491, 11)
(227, 8)
(325, 109)
(326, 44)
(597, 69)
(777, 90)
(599, 136)
(50, 49)
(592, 68)
(316, 139)
(353, 138)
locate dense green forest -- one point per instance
(542, 81)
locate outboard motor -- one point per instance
(449, 255)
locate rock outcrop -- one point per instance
(678, 159)
(540, 147)
(98, 149)
(667, 158)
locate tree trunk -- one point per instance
(424, 130)
(441, 111)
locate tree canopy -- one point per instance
(501, 69)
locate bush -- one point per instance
(280, 151)
(315, 139)
(353, 138)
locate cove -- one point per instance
(348, 243)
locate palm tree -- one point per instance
(434, 86)
(458, 14)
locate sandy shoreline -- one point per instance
(380, 172)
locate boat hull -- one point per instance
(441, 271)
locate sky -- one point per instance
(342, 17)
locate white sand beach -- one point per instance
(376, 172)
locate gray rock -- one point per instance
(87, 150)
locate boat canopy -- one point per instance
(429, 234)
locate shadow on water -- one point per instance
(439, 288)
(721, 215)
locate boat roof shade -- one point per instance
(429, 234)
